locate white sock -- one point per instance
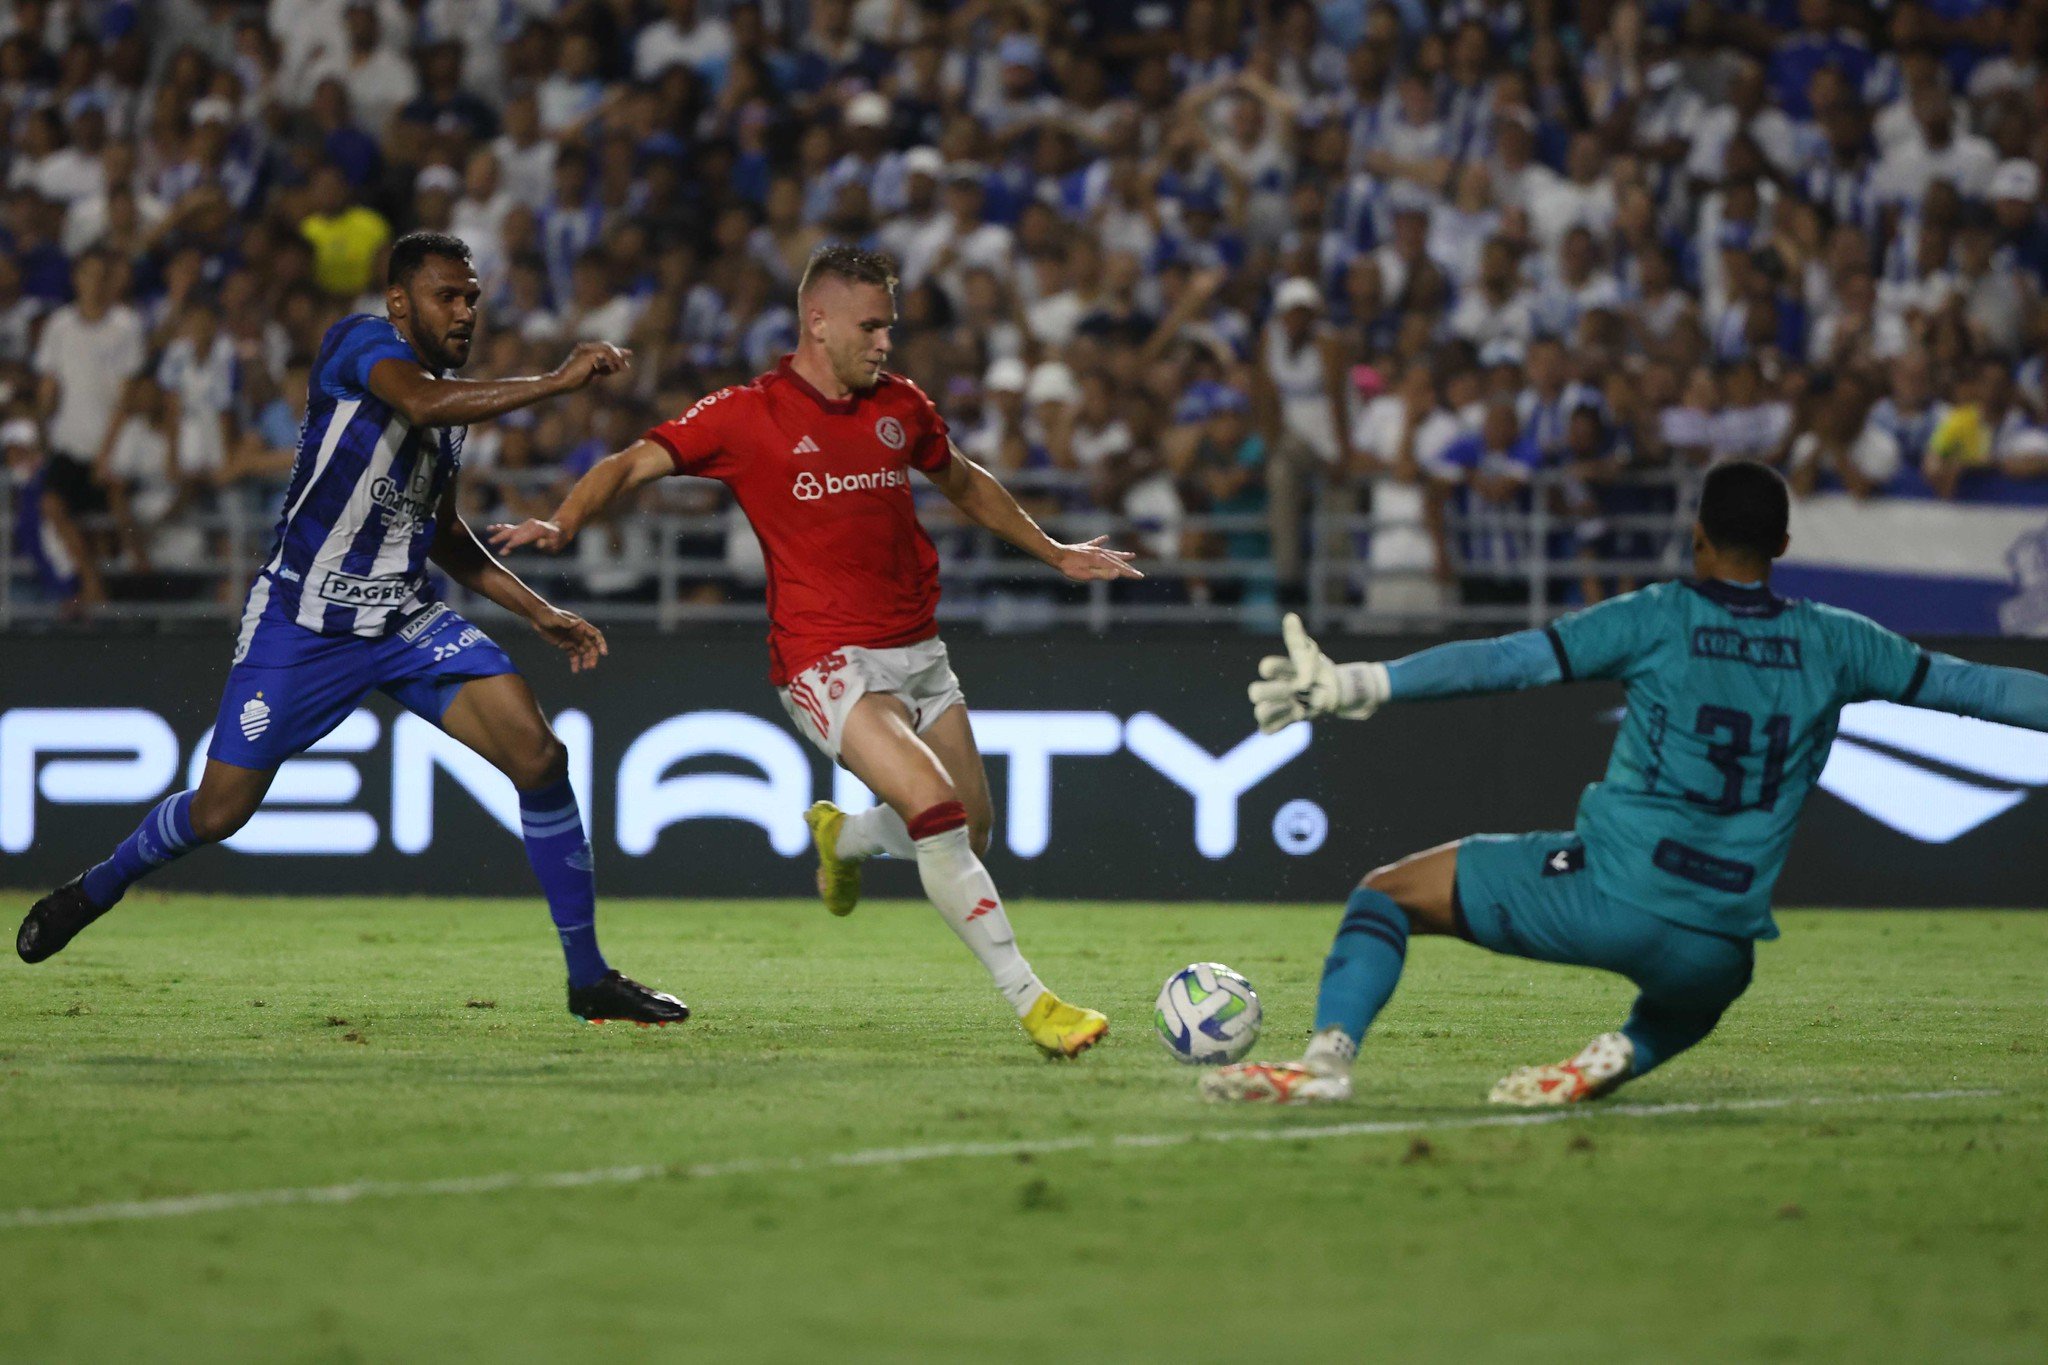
(873, 831)
(966, 898)
(1330, 1053)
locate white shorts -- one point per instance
(820, 698)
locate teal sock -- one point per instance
(1660, 1032)
(1364, 964)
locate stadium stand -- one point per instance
(1416, 313)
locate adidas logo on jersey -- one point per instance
(806, 447)
(255, 718)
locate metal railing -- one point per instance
(688, 574)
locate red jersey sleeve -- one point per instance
(697, 440)
(932, 451)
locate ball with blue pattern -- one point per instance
(1207, 1015)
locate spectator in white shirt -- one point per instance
(1499, 308)
(478, 217)
(141, 478)
(920, 211)
(1577, 287)
(1585, 198)
(1752, 424)
(1902, 423)
(1940, 152)
(961, 239)
(87, 352)
(47, 160)
(198, 375)
(1412, 143)
(1855, 331)
(1746, 111)
(573, 91)
(683, 37)
(1859, 455)
(380, 80)
(526, 156)
(1299, 384)
(595, 311)
(1459, 229)
(1397, 439)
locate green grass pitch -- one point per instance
(851, 1154)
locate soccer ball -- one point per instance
(1207, 1014)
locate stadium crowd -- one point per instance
(1195, 262)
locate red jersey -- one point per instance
(826, 484)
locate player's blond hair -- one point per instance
(848, 263)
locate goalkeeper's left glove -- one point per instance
(1305, 683)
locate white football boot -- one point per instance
(1600, 1066)
(1322, 1076)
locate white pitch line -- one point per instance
(230, 1201)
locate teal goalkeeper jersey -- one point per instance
(1733, 699)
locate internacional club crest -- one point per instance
(890, 432)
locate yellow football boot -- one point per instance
(838, 878)
(1063, 1030)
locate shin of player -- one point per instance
(944, 821)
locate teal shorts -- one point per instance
(1530, 895)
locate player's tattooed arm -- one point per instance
(458, 552)
(428, 401)
(987, 503)
(610, 478)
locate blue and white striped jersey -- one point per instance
(351, 547)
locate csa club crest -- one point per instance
(890, 433)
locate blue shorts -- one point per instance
(293, 685)
(1530, 895)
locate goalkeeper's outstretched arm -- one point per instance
(2011, 696)
(1305, 683)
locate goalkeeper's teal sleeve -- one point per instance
(2013, 696)
(1506, 663)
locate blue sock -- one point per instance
(561, 859)
(164, 835)
(1364, 964)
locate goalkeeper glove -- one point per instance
(1305, 683)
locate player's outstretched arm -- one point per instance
(2011, 696)
(609, 479)
(426, 400)
(462, 556)
(987, 503)
(1305, 683)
